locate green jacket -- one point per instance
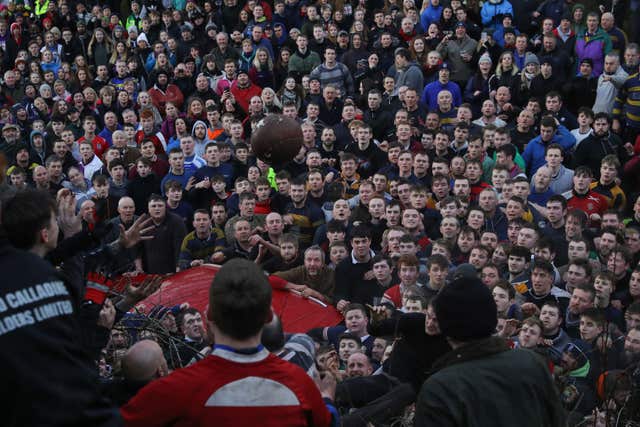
(303, 64)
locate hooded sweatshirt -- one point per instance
(200, 143)
(38, 155)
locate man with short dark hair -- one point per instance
(240, 383)
(585, 199)
(198, 246)
(46, 327)
(370, 157)
(192, 327)
(379, 118)
(552, 318)
(543, 290)
(631, 354)
(161, 255)
(582, 299)
(332, 72)
(599, 144)
(405, 71)
(550, 132)
(98, 143)
(303, 60)
(554, 107)
(302, 215)
(177, 171)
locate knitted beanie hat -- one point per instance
(531, 58)
(465, 310)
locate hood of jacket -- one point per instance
(283, 38)
(33, 134)
(193, 128)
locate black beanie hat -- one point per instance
(465, 310)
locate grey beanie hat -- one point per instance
(531, 58)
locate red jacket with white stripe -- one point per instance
(230, 389)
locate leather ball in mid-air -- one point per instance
(277, 139)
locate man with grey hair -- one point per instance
(126, 217)
(12, 87)
(609, 83)
(618, 37)
(313, 278)
(222, 51)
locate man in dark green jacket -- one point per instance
(303, 60)
(482, 382)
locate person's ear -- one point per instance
(269, 316)
(44, 235)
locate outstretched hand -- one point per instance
(510, 328)
(107, 314)
(70, 222)
(139, 231)
(148, 286)
(378, 313)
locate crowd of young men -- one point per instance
(445, 144)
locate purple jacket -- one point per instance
(594, 47)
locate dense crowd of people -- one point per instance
(466, 194)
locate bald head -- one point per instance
(607, 21)
(126, 209)
(358, 365)
(125, 201)
(144, 361)
(542, 178)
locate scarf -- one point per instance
(288, 95)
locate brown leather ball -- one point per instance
(277, 139)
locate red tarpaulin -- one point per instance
(297, 313)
